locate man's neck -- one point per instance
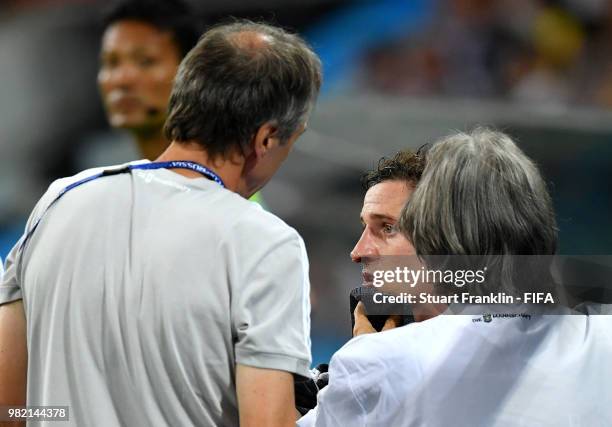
(227, 170)
(151, 144)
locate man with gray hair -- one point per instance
(154, 292)
(478, 195)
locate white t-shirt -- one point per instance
(458, 370)
(142, 292)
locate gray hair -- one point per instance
(480, 195)
(238, 77)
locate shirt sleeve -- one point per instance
(270, 304)
(10, 289)
(10, 284)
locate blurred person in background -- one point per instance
(176, 301)
(549, 370)
(142, 46)
(143, 43)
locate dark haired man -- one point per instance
(155, 294)
(142, 46)
(387, 189)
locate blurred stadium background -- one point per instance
(397, 74)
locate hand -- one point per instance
(363, 325)
(307, 389)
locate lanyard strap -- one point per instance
(176, 164)
(180, 164)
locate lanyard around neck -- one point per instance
(175, 164)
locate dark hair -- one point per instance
(404, 166)
(168, 15)
(238, 77)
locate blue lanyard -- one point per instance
(180, 164)
(176, 164)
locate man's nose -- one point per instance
(365, 248)
(124, 75)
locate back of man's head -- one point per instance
(238, 77)
(480, 195)
(173, 16)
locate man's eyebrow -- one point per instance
(140, 50)
(381, 217)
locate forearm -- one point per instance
(13, 354)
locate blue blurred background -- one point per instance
(397, 74)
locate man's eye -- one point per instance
(389, 228)
(109, 62)
(146, 61)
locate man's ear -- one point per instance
(265, 139)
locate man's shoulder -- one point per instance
(254, 220)
(400, 343)
(380, 365)
(375, 349)
(234, 210)
(59, 184)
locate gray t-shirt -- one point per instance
(143, 290)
